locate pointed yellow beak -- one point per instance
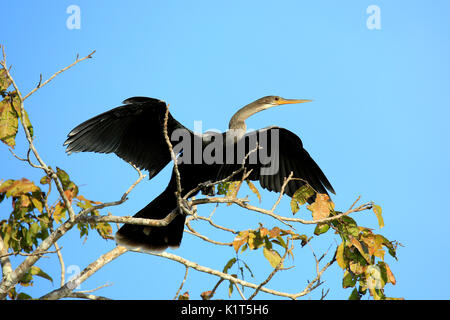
(291, 101)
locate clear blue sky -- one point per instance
(378, 125)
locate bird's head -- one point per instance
(273, 101)
(237, 121)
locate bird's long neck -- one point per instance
(237, 122)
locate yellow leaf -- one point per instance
(17, 188)
(5, 82)
(37, 204)
(263, 232)
(233, 189)
(340, 256)
(254, 189)
(374, 245)
(251, 240)
(24, 201)
(273, 257)
(240, 239)
(322, 207)
(390, 275)
(9, 123)
(377, 210)
(59, 212)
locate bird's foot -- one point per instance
(185, 208)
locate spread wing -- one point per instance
(280, 153)
(133, 131)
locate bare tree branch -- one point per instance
(66, 289)
(5, 262)
(229, 277)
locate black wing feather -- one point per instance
(133, 131)
(292, 158)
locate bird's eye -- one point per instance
(277, 98)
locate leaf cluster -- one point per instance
(32, 218)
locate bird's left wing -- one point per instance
(133, 131)
(277, 152)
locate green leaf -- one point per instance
(38, 272)
(358, 245)
(34, 229)
(349, 280)
(355, 295)
(64, 178)
(348, 226)
(104, 230)
(249, 270)
(229, 264)
(23, 296)
(321, 228)
(45, 180)
(300, 197)
(230, 289)
(391, 247)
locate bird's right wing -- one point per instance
(134, 132)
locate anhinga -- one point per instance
(134, 132)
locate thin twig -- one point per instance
(174, 160)
(240, 292)
(275, 270)
(95, 289)
(229, 277)
(24, 254)
(182, 283)
(354, 203)
(61, 263)
(286, 181)
(195, 233)
(41, 84)
(86, 296)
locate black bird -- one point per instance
(134, 132)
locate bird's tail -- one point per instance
(154, 238)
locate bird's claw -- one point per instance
(187, 209)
